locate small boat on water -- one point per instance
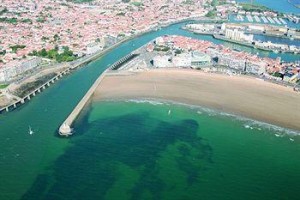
(30, 131)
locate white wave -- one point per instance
(249, 123)
(152, 102)
(246, 126)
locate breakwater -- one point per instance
(65, 129)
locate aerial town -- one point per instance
(83, 28)
(149, 99)
(41, 38)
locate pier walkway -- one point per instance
(65, 129)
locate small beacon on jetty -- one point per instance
(65, 130)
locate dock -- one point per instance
(264, 19)
(271, 20)
(282, 21)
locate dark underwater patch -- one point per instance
(88, 169)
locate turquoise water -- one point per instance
(129, 150)
(278, 5)
(46, 166)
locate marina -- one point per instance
(271, 20)
(264, 19)
(257, 19)
(282, 21)
(260, 19)
(276, 20)
(249, 18)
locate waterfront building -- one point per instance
(159, 41)
(30, 64)
(223, 27)
(202, 27)
(199, 59)
(6, 73)
(237, 35)
(161, 61)
(12, 69)
(93, 48)
(182, 60)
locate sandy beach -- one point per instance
(241, 95)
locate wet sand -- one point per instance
(241, 95)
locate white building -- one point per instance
(30, 64)
(238, 35)
(160, 41)
(161, 61)
(202, 27)
(13, 69)
(7, 73)
(199, 59)
(93, 48)
(223, 26)
(182, 60)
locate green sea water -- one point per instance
(150, 150)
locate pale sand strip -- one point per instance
(245, 96)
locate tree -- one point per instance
(211, 14)
(56, 37)
(43, 53)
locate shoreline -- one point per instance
(240, 95)
(206, 110)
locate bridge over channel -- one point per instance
(28, 97)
